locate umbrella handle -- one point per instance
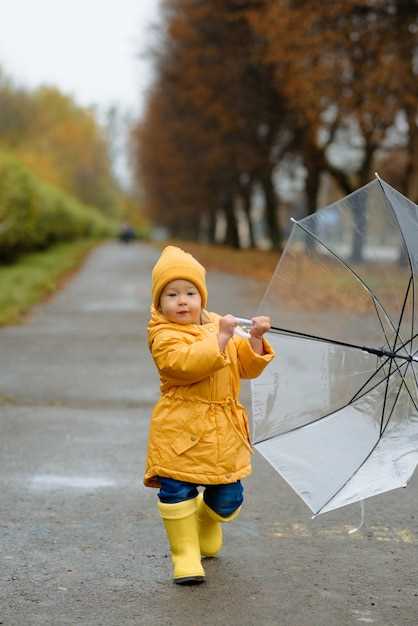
(242, 329)
(243, 321)
(241, 332)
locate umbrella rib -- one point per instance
(336, 342)
(349, 478)
(398, 370)
(373, 448)
(409, 363)
(381, 324)
(379, 353)
(356, 396)
(409, 260)
(399, 226)
(412, 347)
(410, 395)
(378, 370)
(397, 396)
(370, 453)
(413, 370)
(407, 388)
(322, 417)
(413, 316)
(403, 310)
(393, 347)
(350, 269)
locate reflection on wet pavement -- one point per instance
(51, 481)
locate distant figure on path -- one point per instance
(126, 233)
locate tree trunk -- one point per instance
(409, 170)
(189, 228)
(312, 183)
(359, 233)
(212, 226)
(270, 209)
(411, 152)
(246, 206)
(175, 230)
(232, 235)
(358, 212)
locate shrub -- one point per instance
(34, 215)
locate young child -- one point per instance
(199, 432)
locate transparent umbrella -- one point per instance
(336, 413)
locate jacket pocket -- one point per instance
(184, 442)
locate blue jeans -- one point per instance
(223, 499)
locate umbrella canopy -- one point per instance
(336, 413)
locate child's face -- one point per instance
(180, 302)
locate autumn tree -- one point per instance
(16, 112)
(59, 141)
(245, 88)
(346, 77)
(221, 116)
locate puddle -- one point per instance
(363, 616)
(51, 481)
(343, 531)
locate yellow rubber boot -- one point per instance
(210, 529)
(180, 523)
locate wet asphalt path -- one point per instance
(80, 538)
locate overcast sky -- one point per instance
(88, 48)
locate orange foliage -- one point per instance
(246, 86)
(60, 142)
(345, 65)
(201, 130)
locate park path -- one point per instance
(81, 541)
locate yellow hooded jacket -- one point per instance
(199, 431)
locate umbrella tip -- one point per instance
(377, 176)
(292, 219)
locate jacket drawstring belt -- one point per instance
(226, 404)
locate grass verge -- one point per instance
(35, 276)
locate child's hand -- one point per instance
(261, 325)
(227, 325)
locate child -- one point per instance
(199, 431)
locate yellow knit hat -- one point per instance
(174, 264)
